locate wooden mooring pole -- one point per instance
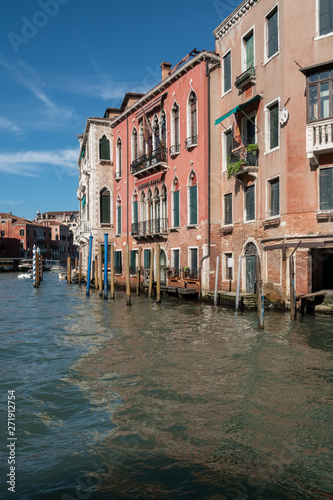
(106, 248)
(69, 270)
(151, 273)
(238, 282)
(128, 281)
(96, 272)
(292, 288)
(138, 272)
(260, 297)
(75, 265)
(158, 274)
(41, 268)
(100, 271)
(112, 296)
(216, 279)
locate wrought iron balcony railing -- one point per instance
(190, 273)
(249, 157)
(149, 227)
(158, 156)
(174, 149)
(191, 141)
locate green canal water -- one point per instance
(177, 400)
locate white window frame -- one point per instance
(224, 267)
(243, 48)
(189, 118)
(225, 92)
(269, 198)
(111, 206)
(172, 125)
(189, 185)
(172, 192)
(266, 58)
(319, 37)
(119, 158)
(253, 118)
(319, 210)
(245, 221)
(223, 210)
(132, 144)
(224, 148)
(267, 126)
(189, 256)
(172, 256)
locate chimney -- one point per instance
(165, 67)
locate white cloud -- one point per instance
(32, 163)
(8, 125)
(11, 202)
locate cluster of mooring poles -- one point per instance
(37, 266)
(102, 285)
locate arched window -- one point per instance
(157, 210)
(150, 211)
(134, 145)
(105, 206)
(156, 133)
(175, 203)
(193, 199)
(164, 209)
(104, 148)
(192, 134)
(118, 215)
(21, 232)
(141, 141)
(175, 135)
(135, 214)
(118, 158)
(163, 128)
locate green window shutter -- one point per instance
(326, 189)
(250, 203)
(325, 17)
(84, 201)
(176, 209)
(133, 261)
(249, 52)
(105, 208)
(275, 197)
(274, 125)
(117, 262)
(227, 72)
(228, 209)
(273, 35)
(104, 148)
(119, 219)
(193, 205)
(146, 259)
(176, 262)
(229, 141)
(194, 260)
(135, 212)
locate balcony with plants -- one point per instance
(243, 160)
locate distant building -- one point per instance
(27, 233)
(61, 240)
(67, 217)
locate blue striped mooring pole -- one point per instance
(39, 267)
(105, 265)
(89, 264)
(34, 265)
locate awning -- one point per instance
(237, 108)
(148, 181)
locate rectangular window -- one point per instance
(272, 33)
(228, 275)
(227, 209)
(194, 262)
(249, 51)
(146, 258)
(273, 130)
(119, 219)
(193, 204)
(274, 197)
(176, 209)
(133, 260)
(250, 203)
(325, 17)
(118, 267)
(320, 95)
(135, 212)
(227, 72)
(326, 189)
(227, 147)
(175, 259)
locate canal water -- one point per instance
(177, 400)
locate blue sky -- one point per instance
(62, 61)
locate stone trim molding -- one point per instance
(233, 19)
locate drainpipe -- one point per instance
(208, 71)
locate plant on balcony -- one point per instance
(251, 148)
(233, 168)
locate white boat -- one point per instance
(26, 275)
(57, 269)
(62, 276)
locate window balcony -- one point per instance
(248, 76)
(174, 150)
(148, 164)
(319, 139)
(191, 142)
(243, 161)
(149, 228)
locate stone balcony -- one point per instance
(319, 139)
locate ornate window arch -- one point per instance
(134, 144)
(118, 215)
(192, 119)
(156, 133)
(119, 158)
(104, 148)
(175, 203)
(163, 129)
(141, 141)
(175, 129)
(192, 191)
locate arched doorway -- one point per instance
(250, 267)
(163, 264)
